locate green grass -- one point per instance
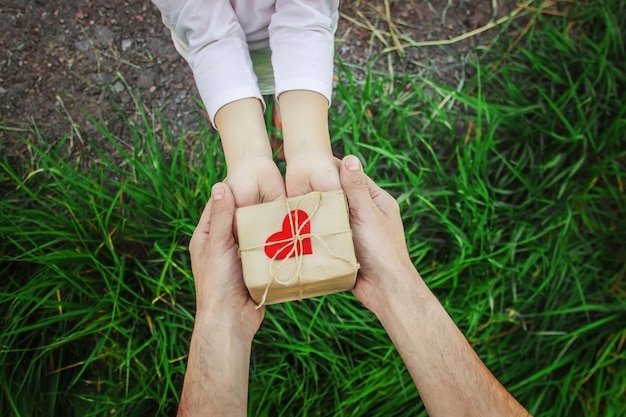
(513, 202)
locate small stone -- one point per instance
(100, 78)
(104, 35)
(18, 88)
(126, 43)
(83, 45)
(145, 80)
(156, 46)
(118, 87)
(180, 97)
(3, 90)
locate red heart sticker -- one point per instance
(281, 245)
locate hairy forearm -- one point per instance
(216, 381)
(451, 378)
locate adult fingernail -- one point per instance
(353, 163)
(217, 192)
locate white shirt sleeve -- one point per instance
(208, 34)
(302, 41)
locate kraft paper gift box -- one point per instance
(297, 248)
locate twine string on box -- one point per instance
(296, 243)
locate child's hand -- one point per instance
(311, 173)
(310, 162)
(255, 180)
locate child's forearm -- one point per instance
(242, 129)
(304, 116)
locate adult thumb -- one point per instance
(355, 184)
(222, 212)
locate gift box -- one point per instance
(297, 248)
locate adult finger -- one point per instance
(204, 224)
(222, 212)
(356, 184)
(381, 198)
(201, 232)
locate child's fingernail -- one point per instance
(217, 192)
(353, 163)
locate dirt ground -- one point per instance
(60, 62)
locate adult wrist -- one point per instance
(220, 322)
(217, 370)
(404, 290)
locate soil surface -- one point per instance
(63, 61)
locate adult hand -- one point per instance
(437, 355)
(255, 180)
(378, 237)
(216, 267)
(226, 318)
